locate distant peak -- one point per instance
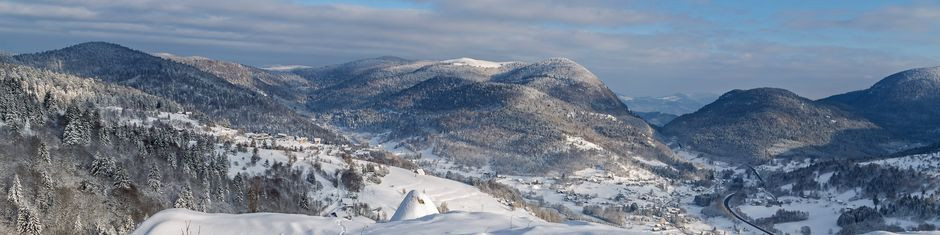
(560, 60)
(464, 61)
(763, 93)
(388, 58)
(285, 67)
(931, 74)
(98, 44)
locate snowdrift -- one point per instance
(415, 205)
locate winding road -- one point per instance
(726, 203)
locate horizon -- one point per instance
(637, 48)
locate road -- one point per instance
(726, 203)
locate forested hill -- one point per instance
(189, 86)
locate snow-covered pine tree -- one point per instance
(304, 202)
(46, 197)
(205, 201)
(28, 222)
(127, 226)
(15, 192)
(154, 179)
(102, 165)
(121, 179)
(42, 153)
(76, 132)
(49, 103)
(185, 199)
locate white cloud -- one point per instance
(43, 10)
(699, 57)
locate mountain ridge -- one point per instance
(185, 84)
(762, 123)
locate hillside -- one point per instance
(514, 117)
(759, 124)
(906, 103)
(184, 84)
(287, 86)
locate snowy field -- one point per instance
(182, 221)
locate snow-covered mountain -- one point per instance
(475, 63)
(763, 123)
(208, 93)
(517, 114)
(906, 103)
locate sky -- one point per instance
(638, 48)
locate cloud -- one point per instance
(552, 11)
(43, 10)
(901, 18)
(685, 53)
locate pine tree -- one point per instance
(15, 193)
(42, 153)
(121, 179)
(304, 202)
(127, 226)
(47, 192)
(154, 179)
(102, 166)
(48, 102)
(27, 222)
(76, 131)
(185, 199)
(254, 156)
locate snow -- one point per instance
(415, 205)
(581, 144)
(182, 221)
(285, 67)
(457, 195)
(924, 163)
(474, 62)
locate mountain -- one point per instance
(220, 99)
(906, 103)
(758, 124)
(545, 117)
(676, 104)
(287, 86)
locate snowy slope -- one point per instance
(181, 221)
(458, 196)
